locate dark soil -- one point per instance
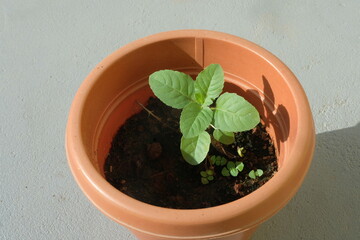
(145, 163)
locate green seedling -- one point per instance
(218, 160)
(254, 174)
(203, 107)
(241, 151)
(232, 168)
(207, 176)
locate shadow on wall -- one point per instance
(327, 205)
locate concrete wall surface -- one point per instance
(48, 47)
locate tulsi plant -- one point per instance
(204, 107)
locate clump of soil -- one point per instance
(145, 163)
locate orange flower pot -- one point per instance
(108, 97)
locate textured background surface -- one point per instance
(48, 47)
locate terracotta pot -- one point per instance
(108, 97)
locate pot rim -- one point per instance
(78, 158)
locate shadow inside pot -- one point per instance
(279, 112)
(327, 205)
(275, 114)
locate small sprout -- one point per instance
(218, 160)
(234, 172)
(239, 166)
(207, 176)
(213, 160)
(230, 164)
(210, 172)
(204, 181)
(223, 161)
(241, 151)
(258, 173)
(252, 174)
(203, 174)
(225, 172)
(232, 169)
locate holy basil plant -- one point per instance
(203, 107)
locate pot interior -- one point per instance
(123, 80)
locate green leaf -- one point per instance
(252, 174)
(223, 161)
(194, 150)
(210, 178)
(203, 174)
(199, 98)
(234, 114)
(224, 137)
(259, 172)
(213, 160)
(204, 181)
(209, 84)
(194, 119)
(230, 164)
(218, 161)
(239, 166)
(241, 151)
(225, 172)
(173, 88)
(209, 172)
(234, 172)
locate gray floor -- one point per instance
(48, 47)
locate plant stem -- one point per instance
(213, 126)
(150, 112)
(218, 146)
(156, 117)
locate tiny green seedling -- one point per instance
(203, 107)
(207, 176)
(254, 174)
(241, 151)
(232, 168)
(218, 160)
